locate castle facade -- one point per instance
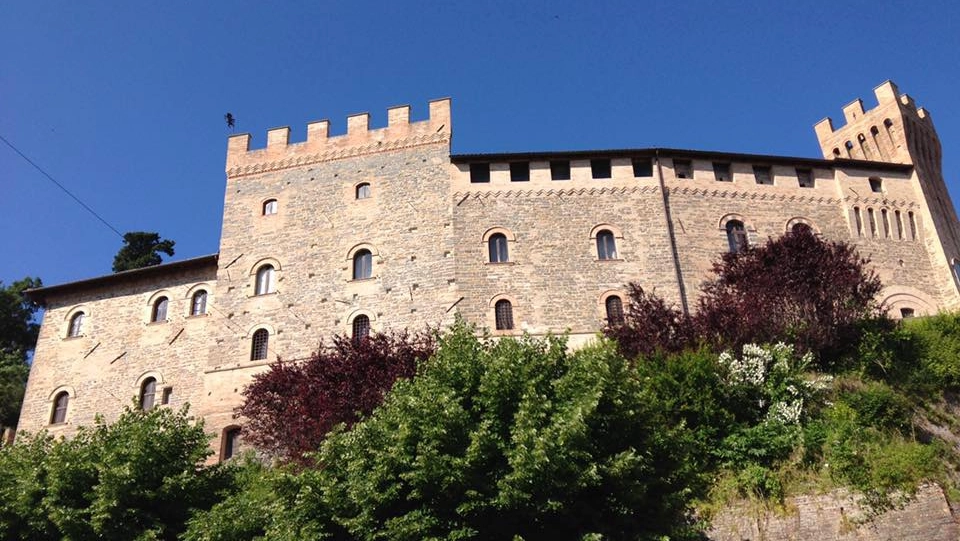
(383, 229)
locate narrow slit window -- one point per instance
(231, 442)
(899, 219)
(859, 220)
(913, 225)
(560, 170)
(503, 313)
(873, 222)
(886, 223)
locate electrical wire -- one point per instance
(61, 186)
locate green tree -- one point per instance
(507, 439)
(138, 478)
(18, 335)
(141, 249)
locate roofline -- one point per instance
(40, 294)
(686, 153)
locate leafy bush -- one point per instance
(291, 407)
(651, 326)
(504, 440)
(138, 478)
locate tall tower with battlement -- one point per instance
(897, 131)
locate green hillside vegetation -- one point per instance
(641, 435)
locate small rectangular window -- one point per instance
(560, 170)
(519, 171)
(763, 175)
(600, 168)
(805, 178)
(479, 172)
(876, 185)
(683, 168)
(906, 313)
(721, 172)
(642, 167)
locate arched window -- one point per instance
(913, 225)
(801, 228)
(148, 394)
(614, 305)
(259, 345)
(859, 219)
(872, 218)
(361, 328)
(503, 313)
(899, 219)
(76, 325)
(266, 280)
(269, 207)
(606, 245)
(498, 248)
(362, 265)
(363, 190)
(230, 442)
(736, 236)
(198, 305)
(59, 414)
(159, 312)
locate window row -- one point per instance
(158, 312)
(865, 149)
(600, 168)
(260, 340)
(498, 246)
(271, 206)
(148, 397)
(503, 312)
(762, 174)
(884, 225)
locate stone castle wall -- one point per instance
(426, 223)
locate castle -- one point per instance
(384, 228)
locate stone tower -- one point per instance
(897, 131)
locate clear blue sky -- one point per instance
(123, 102)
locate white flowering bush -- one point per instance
(774, 378)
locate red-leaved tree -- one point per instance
(291, 407)
(797, 288)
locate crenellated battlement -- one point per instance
(887, 95)
(360, 139)
(892, 131)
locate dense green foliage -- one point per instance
(492, 440)
(138, 478)
(18, 335)
(141, 249)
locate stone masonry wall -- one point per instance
(103, 367)
(839, 517)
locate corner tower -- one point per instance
(898, 131)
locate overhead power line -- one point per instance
(61, 186)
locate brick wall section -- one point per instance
(837, 516)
